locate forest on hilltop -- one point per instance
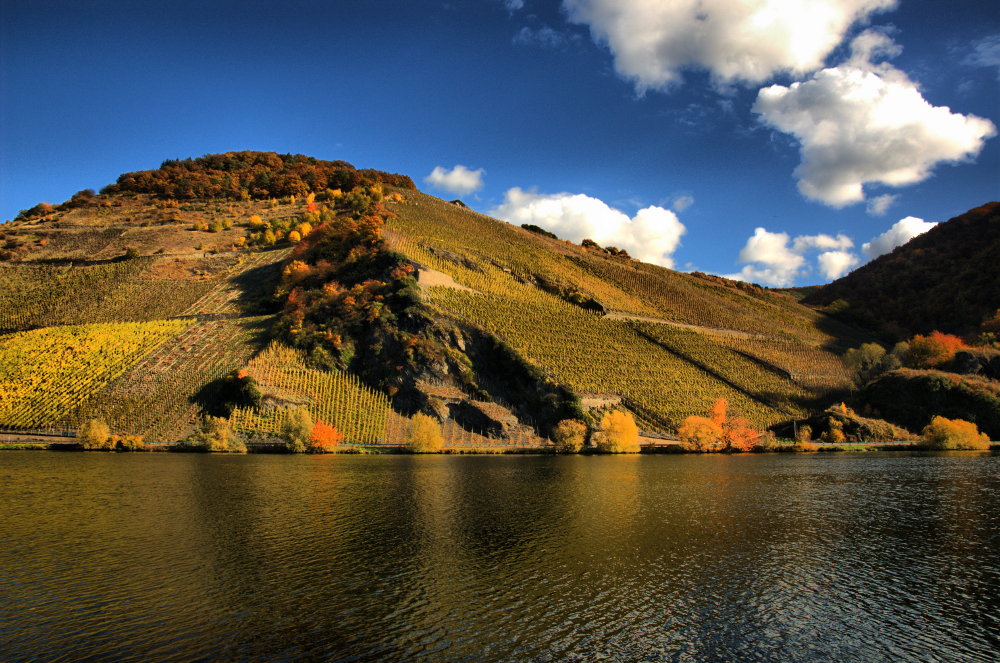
(945, 279)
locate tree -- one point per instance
(297, 430)
(932, 351)
(621, 435)
(944, 433)
(324, 438)
(94, 434)
(569, 436)
(215, 435)
(699, 434)
(424, 435)
(865, 361)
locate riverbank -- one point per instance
(70, 444)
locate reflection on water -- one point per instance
(179, 557)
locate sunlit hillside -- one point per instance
(669, 342)
(154, 302)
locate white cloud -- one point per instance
(803, 243)
(771, 261)
(834, 264)
(545, 37)
(860, 123)
(652, 235)
(901, 232)
(681, 203)
(985, 53)
(879, 205)
(513, 5)
(459, 180)
(654, 41)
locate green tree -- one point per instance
(621, 435)
(297, 430)
(424, 435)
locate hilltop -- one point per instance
(945, 279)
(352, 294)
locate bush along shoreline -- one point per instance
(839, 429)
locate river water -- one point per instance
(819, 557)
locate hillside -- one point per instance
(944, 279)
(352, 294)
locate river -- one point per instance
(791, 557)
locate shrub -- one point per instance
(216, 435)
(94, 434)
(131, 253)
(621, 435)
(297, 430)
(954, 434)
(127, 443)
(424, 435)
(699, 434)
(569, 436)
(835, 433)
(294, 236)
(324, 438)
(804, 433)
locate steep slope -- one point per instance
(379, 297)
(945, 279)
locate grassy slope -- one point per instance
(668, 372)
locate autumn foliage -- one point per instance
(932, 351)
(720, 431)
(241, 175)
(954, 434)
(621, 435)
(324, 438)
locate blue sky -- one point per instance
(770, 139)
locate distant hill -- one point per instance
(946, 279)
(350, 293)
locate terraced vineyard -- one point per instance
(46, 373)
(50, 295)
(770, 363)
(334, 397)
(158, 396)
(592, 354)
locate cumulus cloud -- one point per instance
(654, 41)
(834, 264)
(860, 122)
(652, 235)
(879, 205)
(901, 232)
(459, 180)
(771, 261)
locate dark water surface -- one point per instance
(830, 557)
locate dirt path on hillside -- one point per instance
(429, 277)
(712, 331)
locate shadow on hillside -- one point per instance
(257, 286)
